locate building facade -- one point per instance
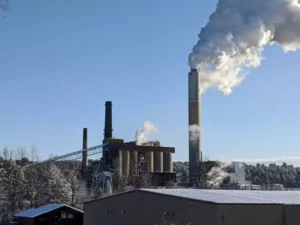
(195, 206)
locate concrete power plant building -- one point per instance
(126, 158)
(195, 154)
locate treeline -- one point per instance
(284, 174)
(22, 188)
(62, 182)
(65, 182)
(259, 174)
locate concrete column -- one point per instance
(150, 159)
(171, 162)
(120, 162)
(126, 162)
(158, 162)
(195, 152)
(133, 159)
(168, 162)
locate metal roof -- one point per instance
(233, 196)
(31, 213)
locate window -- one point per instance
(63, 215)
(70, 216)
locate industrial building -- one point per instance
(118, 156)
(51, 214)
(124, 158)
(195, 206)
(238, 175)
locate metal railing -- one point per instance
(71, 156)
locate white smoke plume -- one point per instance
(142, 136)
(194, 133)
(236, 35)
(216, 176)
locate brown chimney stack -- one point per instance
(108, 120)
(85, 146)
(195, 153)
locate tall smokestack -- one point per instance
(85, 146)
(108, 120)
(195, 153)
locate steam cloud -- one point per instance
(142, 136)
(216, 176)
(236, 35)
(194, 133)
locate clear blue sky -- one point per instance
(61, 60)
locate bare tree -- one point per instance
(138, 176)
(20, 153)
(184, 177)
(171, 184)
(33, 186)
(121, 181)
(23, 187)
(33, 154)
(57, 189)
(203, 167)
(11, 185)
(77, 187)
(11, 182)
(7, 154)
(97, 188)
(35, 183)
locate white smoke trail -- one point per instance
(236, 35)
(142, 136)
(194, 133)
(216, 176)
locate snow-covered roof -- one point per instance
(31, 213)
(233, 196)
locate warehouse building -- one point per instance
(195, 206)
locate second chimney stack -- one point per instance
(85, 146)
(108, 120)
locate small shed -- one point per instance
(51, 214)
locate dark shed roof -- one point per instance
(31, 213)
